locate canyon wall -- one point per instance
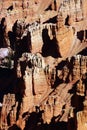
(43, 64)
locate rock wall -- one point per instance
(47, 42)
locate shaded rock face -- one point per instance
(55, 98)
(46, 86)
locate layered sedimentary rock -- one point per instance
(39, 46)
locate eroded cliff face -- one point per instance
(41, 49)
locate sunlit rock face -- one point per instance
(43, 64)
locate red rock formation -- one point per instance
(49, 77)
(82, 117)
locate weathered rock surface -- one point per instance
(44, 67)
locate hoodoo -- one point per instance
(43, 64)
